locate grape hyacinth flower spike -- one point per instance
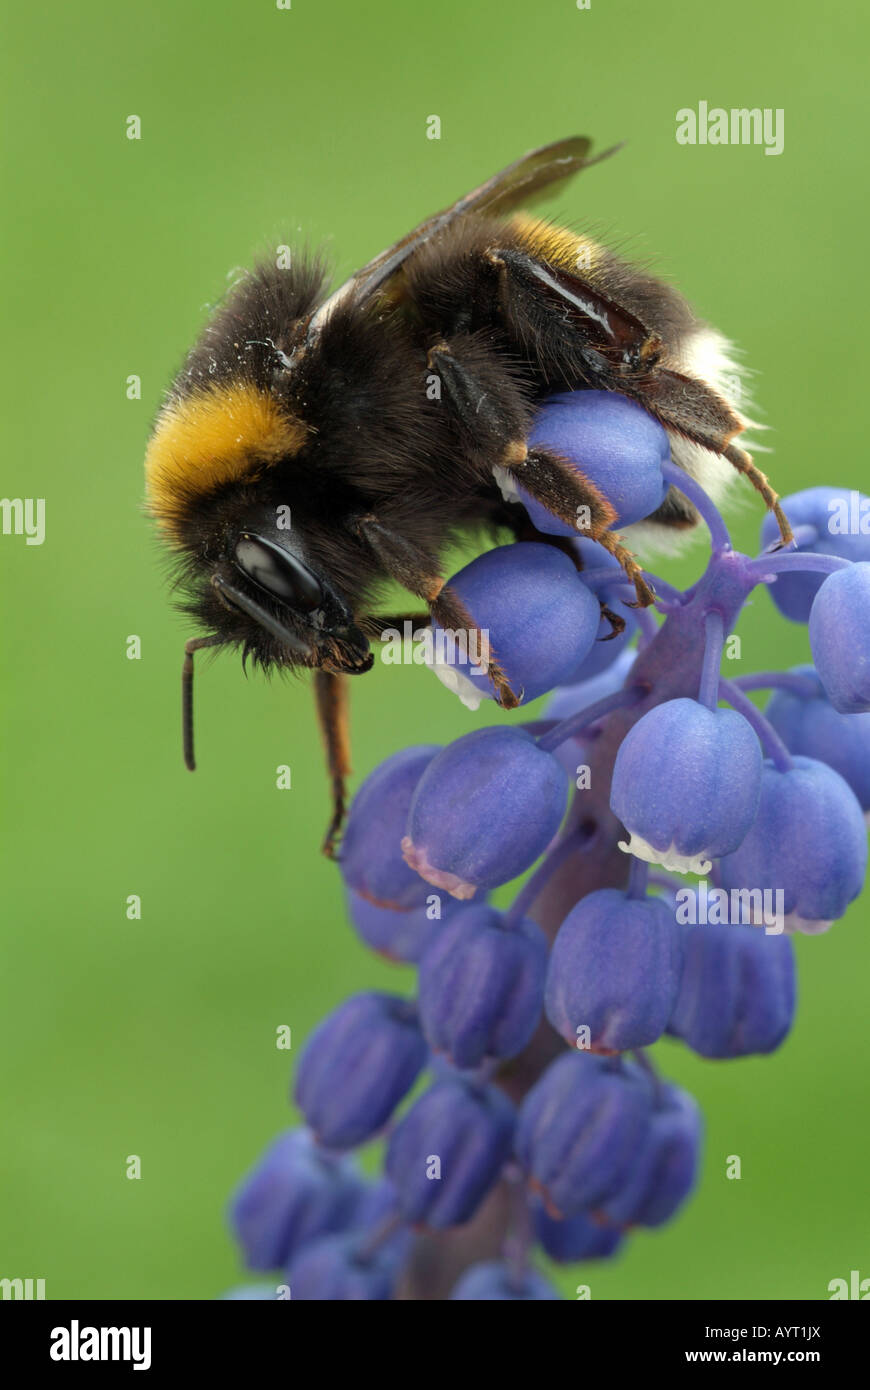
(542, 1121)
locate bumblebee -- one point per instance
(302, 456)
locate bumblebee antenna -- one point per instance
(194, 645)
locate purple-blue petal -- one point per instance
(495, 1281)
(371, 851)
(538, 615)
(666, 1166)
(689, 777)
(833, 513)
(738, 990)
(809, 725)
(485, 809)
(448, 1150)
(333, 1270)
(613, 442)
(808, 842)
(294, 1194)
(481, 986)
(572, 1238)
(400, 936)
(840, 638)
(579, 1128)
(614, 969)
(356, 1067)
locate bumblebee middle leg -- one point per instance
(568, 495)
(492, 435)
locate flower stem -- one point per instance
(520, 1237)
(767, 735)
(708, 688)
(637, 878)
(659, 879)
(794, 562)
(779, 680)
(535, 883)
(719, 534)
(647, 626)
(602, 577)
(662, 587)
(568, 728)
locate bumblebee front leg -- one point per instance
(330, 690)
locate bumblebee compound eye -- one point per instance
(278, 572)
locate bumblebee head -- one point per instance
(251, 571)
(261, 592)
(266, 594)
(263, 596)
(216, 464)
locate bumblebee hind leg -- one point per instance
(695, 410)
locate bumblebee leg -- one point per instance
(489, 410)
(330, 692)
(492, 437)
(617, 624)
(690, 406)
(568, 324)
(566, 494)
(417, 571)
(742, 461)
(195, 644)
(526, 530)
(593, 338)
(451, 614)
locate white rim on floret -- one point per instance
(456, 682)
(669, 858)
(806, 925)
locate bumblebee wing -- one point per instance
(520, 184)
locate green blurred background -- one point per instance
(157, 1037)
